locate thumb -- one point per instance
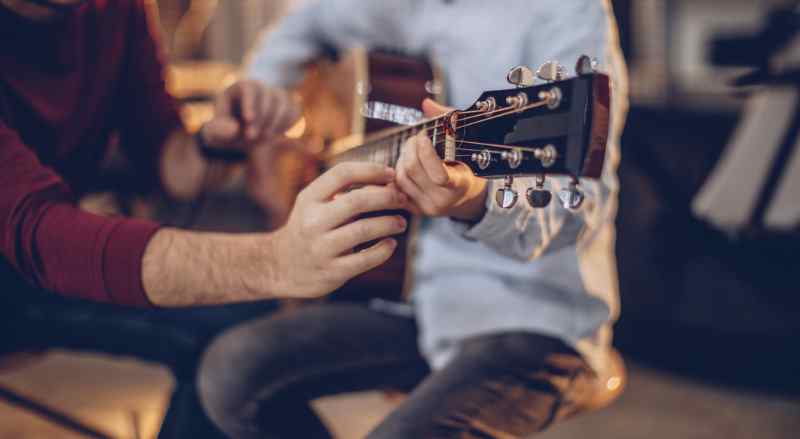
(221, 130)
(432, 108)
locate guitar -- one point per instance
(559, 127)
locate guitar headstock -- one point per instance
(557, 127)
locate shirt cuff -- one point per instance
(93, 257)
(122, 262)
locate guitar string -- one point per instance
(491, 145)
(461, 149)
(497, 145)
(503, 110)
(518, 110)
(403, 132)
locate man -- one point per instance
(71, 73)
(513, 307)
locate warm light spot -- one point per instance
(297, 130)
(613, 383)
(228, 80)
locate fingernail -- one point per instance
(390, 172)
(402, 222)
(391, 242)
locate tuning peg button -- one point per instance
(550, 71)
(518, 101)
(521, 76)
(489, 104)
(513, 157)
(571, 197)
(584, 66)
(538, 198)
(547, 155)
(483, 159)
(506, 197)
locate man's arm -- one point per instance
(53, 244)
(58, 247)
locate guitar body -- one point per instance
(334, 94)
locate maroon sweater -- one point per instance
(64, 89)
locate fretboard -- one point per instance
(384, 146)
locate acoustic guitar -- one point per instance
(365, 105)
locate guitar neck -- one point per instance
(384, 146)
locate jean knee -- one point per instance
(223, 388)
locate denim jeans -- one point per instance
(256, 379)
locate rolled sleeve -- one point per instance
(56, 246)
(92, 257)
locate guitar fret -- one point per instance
(434, 136)
(386, 150)
(396, 144)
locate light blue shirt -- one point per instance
(549, 271)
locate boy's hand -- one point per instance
(436, 188)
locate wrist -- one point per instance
(183, 168)
(258, 267)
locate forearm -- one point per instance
(185, 173)
(183, 268)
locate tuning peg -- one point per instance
(550, 71)
(538, 197)
(488, 104)
(513, 157)
(571, 197)
(521, 76)
(506, 197)
(547, 155)
(585, 65)
(483, 159)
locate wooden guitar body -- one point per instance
(334, 94)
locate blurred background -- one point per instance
(710, 320)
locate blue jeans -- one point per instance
(257, 379)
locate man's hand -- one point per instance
(315, 247)
(436, 188)
(310, 256)
(248, 113)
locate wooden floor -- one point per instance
(127, 399)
